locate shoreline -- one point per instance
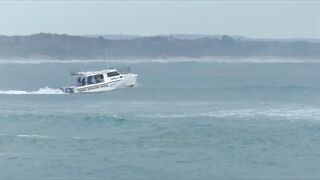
(164, 60)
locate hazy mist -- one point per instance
(265, 19)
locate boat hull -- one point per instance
(125, 80)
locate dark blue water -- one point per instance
(182, 121)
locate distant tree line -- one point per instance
(57, 46)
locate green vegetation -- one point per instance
(55, 46)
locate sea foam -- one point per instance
(45, 90)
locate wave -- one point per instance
(271, 87)
(34, 136)
(293, 114)
(168, 60)
(45, 90)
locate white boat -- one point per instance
(98, 81)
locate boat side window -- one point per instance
(98, 78)
(90, 80)
(113, 73)
(79, 83)
(83, 81)
(101, 77)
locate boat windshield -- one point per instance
(113, 73)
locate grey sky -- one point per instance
(264, 19)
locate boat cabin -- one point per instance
(96, 77)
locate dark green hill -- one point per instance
(55, 46)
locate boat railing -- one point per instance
(77, 73)
(122, 70)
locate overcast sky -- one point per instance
(264, 19)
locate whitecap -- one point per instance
(311, 113)
(33, 136)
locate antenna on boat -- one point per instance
(107, 59)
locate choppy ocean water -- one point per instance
(184, 120)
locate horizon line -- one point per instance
(170, 34)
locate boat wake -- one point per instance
(45, 90)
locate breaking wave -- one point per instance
(293, 114)
(33, 136)
(45, 90)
